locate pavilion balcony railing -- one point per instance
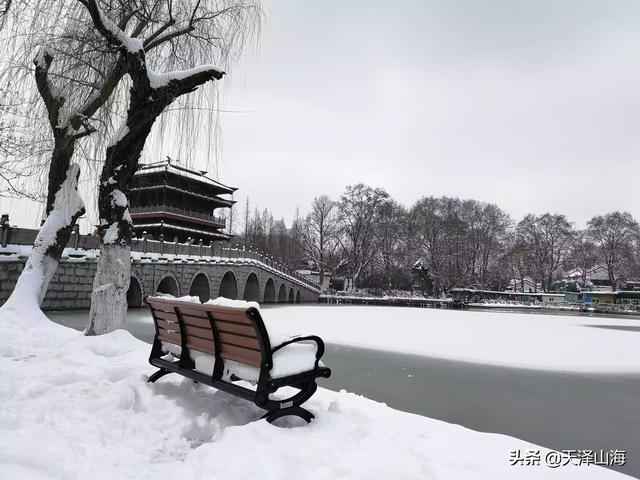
(220, 221)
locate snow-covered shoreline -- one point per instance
(78, 407)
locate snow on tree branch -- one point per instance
(110, 30)
(51, 97)
(185, 79)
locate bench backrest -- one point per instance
(240, 333)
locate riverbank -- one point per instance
(80, 407)
(448, 303)
(573, 407)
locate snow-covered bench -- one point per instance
(218, 345)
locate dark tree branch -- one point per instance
(52, 102)
(109, 30)
(97, 100)
(148, 45)
(185, 84)
(159, 32)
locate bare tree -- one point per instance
(317, 235)
(613, 234)
(150, 94)
(485, 227)
(15, 175)
(5, 6)
(392, 229)
(547, 238)
(77, 74)
(360, 209)
(428, 231)
(583, 256)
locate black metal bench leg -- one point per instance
(159, 374)
(297, 411)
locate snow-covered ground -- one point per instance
(526, 340)
(75, 407)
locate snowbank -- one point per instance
(75, 407)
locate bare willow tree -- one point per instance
(78, 77)
(5, 6)
(15, 175)
(70, 92)
(150, 94)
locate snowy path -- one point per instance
(74, 407)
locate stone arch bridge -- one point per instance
(167, 267)
(245, 279)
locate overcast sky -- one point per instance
(533, 105)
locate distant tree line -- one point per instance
(441, 243)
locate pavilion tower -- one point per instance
(174, 201)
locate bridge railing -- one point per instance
(27, 236)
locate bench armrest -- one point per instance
(313, 338)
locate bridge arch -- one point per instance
(168, 285)
(282, 294)
(298, 296)
(269, 291)
(200, 287)
(252, 288)
(134, 294)
(228, 286)
(291, 295)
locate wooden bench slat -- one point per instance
(169, 316)
(202, 307)
(196, 321)
(168, 325)
(226, 327)
(194, 312)
(247, 342)
(161, 307)
(200, 344)
(233, 314)
(237, 317)
(199, 332)
(250, 357)
(169, 337)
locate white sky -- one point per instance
(533, 105)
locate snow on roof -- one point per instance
(168, 166)
(214, 198)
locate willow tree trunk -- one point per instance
(147, 101)
(113, 274)
(54, 234)
(64, 207)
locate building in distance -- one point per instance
(176, 202)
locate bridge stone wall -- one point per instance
(72, 283)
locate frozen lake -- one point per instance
(565, 382)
